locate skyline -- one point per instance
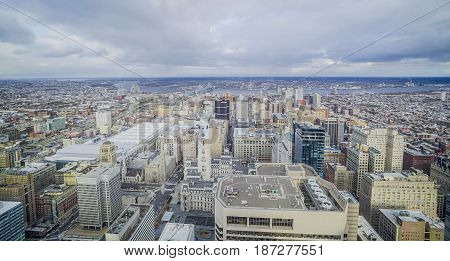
(160, 39)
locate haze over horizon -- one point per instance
(216, 38)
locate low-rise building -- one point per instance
(408, 225)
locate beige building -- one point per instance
(408, 225)
(253, 143)
(358, 161)
(108, 152)
(277, 208)
(387, 141)
(406, 190)
(189, 145)
(340, 176)
(10, 156)
(376, 161)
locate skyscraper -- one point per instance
(222, 109)
(316, 103)
(387, 141)
(308, 145)
(99, 196)
(335, 129)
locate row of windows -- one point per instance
(253, 221)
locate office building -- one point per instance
(340, 176)
(407, 190)
(408, 225)
(189, 142)
(298, 95)
(308, 146)
(335, 129)
(418, 160)
(20, 187)
(275, 208)
(387, 141)
(242, 110)
(316, 103)
(107, 152)
(12, 222)
(253, 144)
(10, 156)
(57, 204)
(99, 196)
(376, 161)
(358, 161)
(103, 119)
(222, 109)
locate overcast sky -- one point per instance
(224, 38)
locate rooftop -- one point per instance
(6, 206)
(396, 215)
(260, 192)
(177, 232)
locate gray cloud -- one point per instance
(157, 37)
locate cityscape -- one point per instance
(213, 159)
(147, 124)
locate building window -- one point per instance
(259, 221)
(237, 220)
(279, 222)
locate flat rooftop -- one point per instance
(410, 216)
(5, 206)
(260, 192)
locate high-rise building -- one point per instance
(99, 196)
(308, 146)
(387, 141)
(298, 94)
(108, 152)
(335, 129)
(376, 161)
(406, 190)
(277, 208)
(408, 225)
(316, 103)
(10, 156)
(12, 223)
(170, 145)
(242, 109)
(189, 142)
(103, 118)
(340, 176)
(222, 109)
(253, 144)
